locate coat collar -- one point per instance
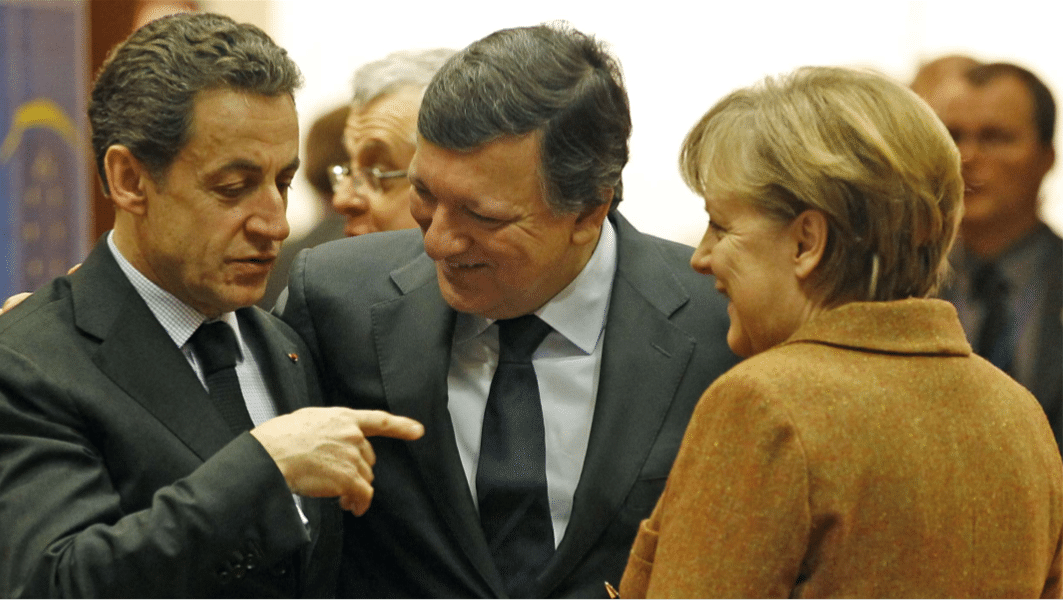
(888, 327)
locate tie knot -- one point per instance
(988, 282)
(518, 338)
(215, 346)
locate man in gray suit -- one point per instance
(515, 183)
(141, 453)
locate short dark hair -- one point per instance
(549, 79)
(145, 93)
(1044, 106)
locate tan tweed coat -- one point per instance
(870, 455)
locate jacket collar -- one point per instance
(888, 327)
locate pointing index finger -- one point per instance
(384, 424)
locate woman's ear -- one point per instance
(127, 179)
(810, 230)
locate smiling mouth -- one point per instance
(457, 269)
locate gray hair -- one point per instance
(145, 93)
(549, 79)
(398, 70)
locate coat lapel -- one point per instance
(288, 385)
(420, 318)
(638, 332)
(137, 354)
(286, 376)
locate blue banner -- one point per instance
(45, 154)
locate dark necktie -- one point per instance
(215, 347)
(994, 336)
(511, 475)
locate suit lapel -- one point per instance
(420, 318)
(287, 381)
(638, 332)
(285, 376)
(137, 354)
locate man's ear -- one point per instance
(589, 222)
(810, 231)
(1050, 159)
(127, 179)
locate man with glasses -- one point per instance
(380, 135)
(367, 188)
(553, 352)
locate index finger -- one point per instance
(384, 424)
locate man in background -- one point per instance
(142, 451)
(1008, 284)
(358, 161)
(553, 352)
(371, 192)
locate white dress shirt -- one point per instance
(567, 366)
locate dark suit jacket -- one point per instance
(1046, 381)
(871, 455)
(118, 477)
(371, 310)
(1048, 386)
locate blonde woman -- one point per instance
(861, 449)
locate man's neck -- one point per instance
(989, 240)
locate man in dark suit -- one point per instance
(1008, 284)
(515, 181)
(140, 449)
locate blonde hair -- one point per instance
(863, 150)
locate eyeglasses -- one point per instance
(370, 176)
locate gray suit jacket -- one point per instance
(371, 311)
(119, 477)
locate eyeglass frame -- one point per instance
(371, 176)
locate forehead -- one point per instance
(1003, 101)
(230, 125)
(388, 118)
(506, 169)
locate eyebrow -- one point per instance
(242, 164)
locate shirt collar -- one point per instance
(178, 319)
(576, 312)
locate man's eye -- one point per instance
(486, 220)
(232, 191)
